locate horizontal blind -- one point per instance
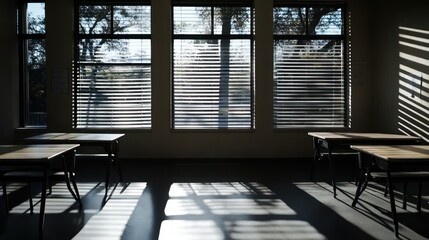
(211, 92)
(212, 62)
(110, 96)
(112, 88)
(309, 84)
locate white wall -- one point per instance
(161, 142)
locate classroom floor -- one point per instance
(204, 200)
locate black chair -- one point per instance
(405, 177)
(25, 175)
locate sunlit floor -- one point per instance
(212, 201)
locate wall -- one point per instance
(161, 142)
(9, 77)
(401, 56)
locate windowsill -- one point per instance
(310, 129)
(43, 129)
(31, 128)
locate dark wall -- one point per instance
(401, 55)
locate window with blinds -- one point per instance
(212, 66)
(309, 67)
(112, 87)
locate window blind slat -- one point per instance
(113, 84)
(309, 88)
(106, 101)
(207, 94)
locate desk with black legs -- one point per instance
(390, 159)
(41, 157)
(335, 141)
(108, 141)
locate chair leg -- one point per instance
(404, 196)
(30, 198)
(419, 197)
(6, 200)
(50, 186)
(386, 190)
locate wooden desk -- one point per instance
(41, 156)
(109, 142)
(389, 158)
(334, 141)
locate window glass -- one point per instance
(213, 67)
(94, 19)
(290, 21)
(33, 63)
(112, 87)
(192, 20)
(309, 67)
(35, 18)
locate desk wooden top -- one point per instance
(350, 136)
(398, 153)
(32, 153)
(76, 137)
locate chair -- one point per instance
(26, 175)
(405, 177)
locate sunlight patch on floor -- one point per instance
(238, 230)
(230, 210)
(218, 189)
(110, 222)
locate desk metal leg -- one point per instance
(419, 198)
(363, 183)
(392, 203)
(332, 168)
(42, 203)
(365, 170)
(404, 195)
(359, 188)
(109, 163)
(112, 151)
(5, 197)
(115, 159)
(70, 176)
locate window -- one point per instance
(212, 65)
(309, 66)
(112, 86)
(31, 32)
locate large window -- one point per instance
(212, 65)
(309, 66)
(112, 86)
(31, 30)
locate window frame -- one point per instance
(24, 83)
(344, 37)
(133, 36)
(214, 36)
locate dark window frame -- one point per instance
(214, 36)
(23, 38)
(79, 36)
(344, 37)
